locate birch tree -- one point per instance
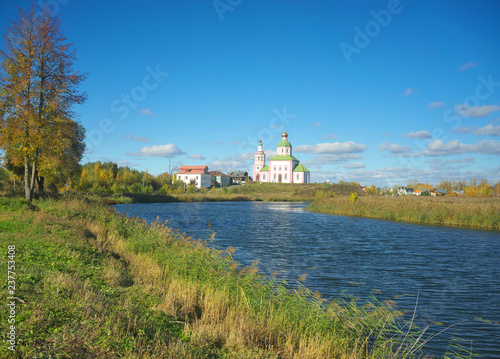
(38, 89)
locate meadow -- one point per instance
(92, 283)
(470, 212)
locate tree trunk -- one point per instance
(28, 194)
(40, 181)
(33, 176)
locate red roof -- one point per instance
(193, 169)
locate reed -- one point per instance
(471, 212)
(96, 284)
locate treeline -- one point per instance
(102, 178)
(472, 188)
(475, 187)
(108, 178)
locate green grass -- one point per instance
(96, 284)
(470, 212)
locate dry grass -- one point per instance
(472, 212)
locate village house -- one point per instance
(199, 175)
(404, 191)
(282, 168)
(421, 191)
(221, 179)
(238, 176)
(439, 192)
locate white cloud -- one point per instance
(488, 130)
(355, 165)
(332, 148)
(461, 129)
(331, 136)
(196, 157)
(136, 138)
(317, 124)
(242, 162)
(409, 91)
(455, 147)
(418, 134)
(465, 110)
(327, 159)
(468, 65)
(146, 111)
(169, 150)
(393, 148)
(436, 104)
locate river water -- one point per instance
(455, 273)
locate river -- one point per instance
(454, 272)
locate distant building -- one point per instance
(421, 191)
(404, 191)
(238, 176)
(222, 179)
(439, 192)
(199, 175)
(282, 168)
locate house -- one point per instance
(238, 176)
(199, 175)
(404, 191)
(421, 192)
(282, 168)
(222, 179)
(439, 192)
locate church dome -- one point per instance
(284, 141)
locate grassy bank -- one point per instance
(252, 191)
(91, 283)
(471, 212)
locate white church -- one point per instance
(282, 168)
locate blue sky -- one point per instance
(379, 92)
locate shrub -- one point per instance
(353, 197)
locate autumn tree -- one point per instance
(38, 89)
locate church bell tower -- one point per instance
(260, 162)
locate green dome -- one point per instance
(284, 143)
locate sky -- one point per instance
(377, 92)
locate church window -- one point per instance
(286, 168)
(263, 176)
(298, 176)
(275, 176)
(286, 176)
(287, 150)
(275, 168)
(280, 168)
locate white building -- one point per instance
(282, 168)
(198, 174)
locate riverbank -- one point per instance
(469, 212)
(252, 191)
(91, 283)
